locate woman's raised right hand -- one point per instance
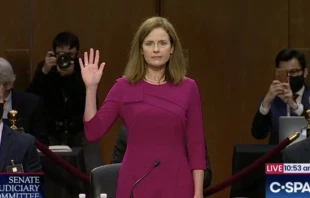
(91, 71)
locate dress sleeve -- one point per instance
(194, 131)
(105, 117)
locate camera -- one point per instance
(63, 60)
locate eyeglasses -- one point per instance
(294, 72)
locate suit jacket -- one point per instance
(298, 152)
(120, 149)
(30, 115)
(19, 147)
(263, 125)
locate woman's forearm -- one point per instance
(198, 182)
(90, 103)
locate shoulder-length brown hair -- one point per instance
(136, 66)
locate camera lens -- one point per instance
(63, 60)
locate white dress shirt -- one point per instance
(8, 106)
(298, 111)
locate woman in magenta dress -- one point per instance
(161, 109)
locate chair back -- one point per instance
(104, 180)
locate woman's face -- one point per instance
(157, 48)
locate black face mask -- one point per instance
(1, 109)
(296, 83)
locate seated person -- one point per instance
(17, 146)
(120, 149)
(298, 152)
(27, 105)
(283, 98)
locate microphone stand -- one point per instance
(156, 163)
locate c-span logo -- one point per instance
(287, 180)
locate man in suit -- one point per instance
(283, 98)
(28, 106)
(17, 147)
(120, 149)
(298, 152)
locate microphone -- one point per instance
(155, 164)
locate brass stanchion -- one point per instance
(13, 117)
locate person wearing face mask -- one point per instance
(16, 148)
(283, 99)
(58, 81)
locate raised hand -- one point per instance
(287, 96)
(276, 89)
(91, 72)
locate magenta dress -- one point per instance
(164, 123)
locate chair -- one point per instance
(253, 184)
(103, 179)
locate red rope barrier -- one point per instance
(236, 177)
(61, 162)
(209, 191)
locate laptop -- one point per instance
(288, 125)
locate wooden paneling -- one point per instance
(231, 49)
(106, 25)
(299, 19)
(15, 38)
(19, 59)
(230, 46)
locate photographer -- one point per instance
(57, 80)
(283, 98)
